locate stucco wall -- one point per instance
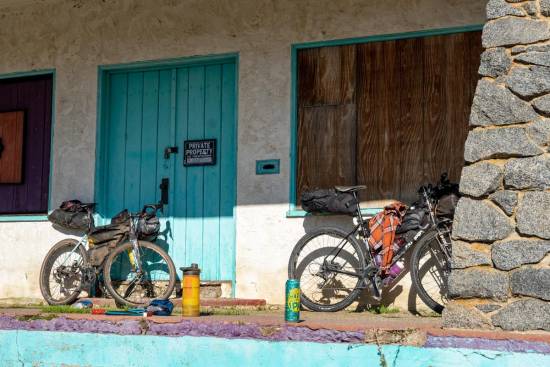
(74, 37)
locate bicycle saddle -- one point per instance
(349, 188)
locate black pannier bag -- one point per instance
(148, 227)
(446, 206)
(329, 201)
(71, 215)
(413, 220)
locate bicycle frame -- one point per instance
(364, 232)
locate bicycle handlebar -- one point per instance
(155, 207)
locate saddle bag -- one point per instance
(71, 215)
(329, 201)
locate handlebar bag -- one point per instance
(71, 215)
(329, 201)
(148, 227)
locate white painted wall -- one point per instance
(75, 36)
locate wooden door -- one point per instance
(155, 109)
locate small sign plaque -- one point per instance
(199, 152)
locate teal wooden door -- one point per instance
(149, 110)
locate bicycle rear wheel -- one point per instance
(61, 272)
(128, 286)
(316, 261)
(430, 270)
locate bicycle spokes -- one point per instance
(137, 283)
(329, 269)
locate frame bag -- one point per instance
(329, 201)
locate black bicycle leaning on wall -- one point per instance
(130, 268)
(335, 266)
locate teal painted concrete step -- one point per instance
(39, 348)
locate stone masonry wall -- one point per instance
(501, 235)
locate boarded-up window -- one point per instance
(25, 134)
(392, 115)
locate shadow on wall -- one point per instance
(365, 300)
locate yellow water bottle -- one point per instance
(191, 286)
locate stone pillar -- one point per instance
(501, 234)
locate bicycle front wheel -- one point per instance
(430, 270)
(330, 266)
(127, 285)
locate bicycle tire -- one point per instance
(417, 254)
(125, 247)
(59, 248)
(293, 263)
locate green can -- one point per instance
(292, 306)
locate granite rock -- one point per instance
(528, 173)
(530, 7)
(499, 143)
(542, 104)
(508, 255)
(526, 314)
(545, 7)
(531, 282)
(465, 256)
(506, 200)
(500, 8)
(535, 58)
(478, 283)
(514, 31)
(495, 105)
(477, 220)
(533, 214)
(480, 179)
(529, 82)
(519, 49)
(457, 316)
(539, 131)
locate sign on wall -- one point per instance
(199, 152)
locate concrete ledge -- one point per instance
(19, 348)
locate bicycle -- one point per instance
(335, 266)
(133, 270)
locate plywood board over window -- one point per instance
(11, 147)
(392, 115)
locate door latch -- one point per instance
(170, 150)
(1, 147)
(164, 186)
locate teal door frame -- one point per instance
(104, 72)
